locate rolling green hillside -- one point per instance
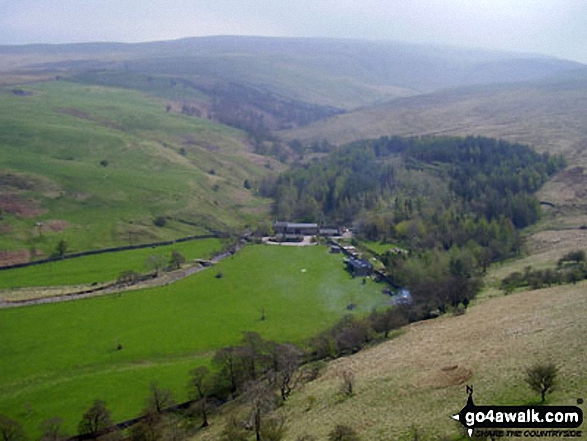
(96, 166)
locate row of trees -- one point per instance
(438, 280)
(155, 263)
(571, 268)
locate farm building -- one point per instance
(359, 267)
(304, 229)
(329, 232)
(295, 229)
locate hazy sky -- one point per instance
(552, 27)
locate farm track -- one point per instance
(39, 297)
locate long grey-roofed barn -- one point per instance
(298, 229)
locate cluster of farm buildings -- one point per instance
(293, 232)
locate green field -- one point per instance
(56, 358)
(102, 267)
(379, 247)
(97, 165)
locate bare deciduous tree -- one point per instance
(159, 399)
(11, 430)
(285, 360)
(199, 389)
(52, 430)
(149, 429)
(541, 378)
(262, 400)
(96, 420)
(253, 354)
(61, 248)
(226, 360)
(155, 263)
(128, 278)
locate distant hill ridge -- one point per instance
(342, 73)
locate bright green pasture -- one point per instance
(56, 358)
(102, 267)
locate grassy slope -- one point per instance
(380, 247)
(57, 137)
(418, 379)
(547, 115)
(101, 267)
(68, 349)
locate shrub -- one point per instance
(160, 221)
(348, 381)
(573, 256)
(343, 433)
(273, 429)
(128, 278)
(176, 260)
(61, 248)
(234, 431)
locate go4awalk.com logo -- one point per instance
(520, 421)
